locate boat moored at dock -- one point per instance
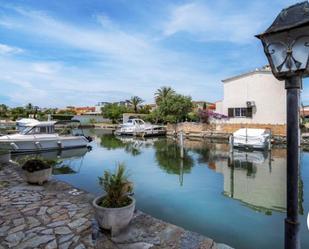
(251, 138)
(42, 136)
(138, 127)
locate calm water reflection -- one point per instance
(238, 199)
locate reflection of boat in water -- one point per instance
(52, 155)
(251, 138)
(138, 141)
(42, 136)
(257, 157)
(137, 127)
(256, 179)
(64, 160)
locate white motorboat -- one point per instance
(251, 138)
(41, 136)
(137, 127)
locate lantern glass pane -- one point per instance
(278, 53)
(301, 51)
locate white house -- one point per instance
(255, 97)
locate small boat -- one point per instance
(251, 138)
(42, 136)
(138, 127)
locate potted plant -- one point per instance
(114, 210)
(36, 171)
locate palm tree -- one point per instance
(163, 93)
(135, 101)
(29, 109)
(29, 106)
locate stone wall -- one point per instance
(277, 130)
(191, 127)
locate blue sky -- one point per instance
(80, 52)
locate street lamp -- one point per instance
(286, 45)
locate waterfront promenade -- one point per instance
(57, 215)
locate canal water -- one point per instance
(235, 198)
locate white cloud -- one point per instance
(102, 40)
(46, 68)
(6, 49)
(124, 64)
(214, 23)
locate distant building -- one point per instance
(304, 111)
(200, 105)
(83, 110)
(125, 103)
(152, 107)
(100, 105)
(255, 97)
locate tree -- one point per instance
(135, 101)
(18, 112)
(204, 106)
(204, 116)
(162, 93)
(3, 110)
(29, 109)
(175, 108)
(145, 109)
(113, 111)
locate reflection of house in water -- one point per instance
(255, 180)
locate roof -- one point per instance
(202, 102)
(45, 123)
(263, 70)
(294, 16)
(27, 121)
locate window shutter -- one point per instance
(249, 112)
(231, 112)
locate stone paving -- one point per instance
(57, 215)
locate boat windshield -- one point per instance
(38, 130)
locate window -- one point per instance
(231, 112)
(237, 112)
(240, 112)
(243, 112)
(43, 129)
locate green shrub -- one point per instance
(117, 188)
(35, 165)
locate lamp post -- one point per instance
(286, 45)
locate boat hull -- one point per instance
(251, 146)
(39, 145)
